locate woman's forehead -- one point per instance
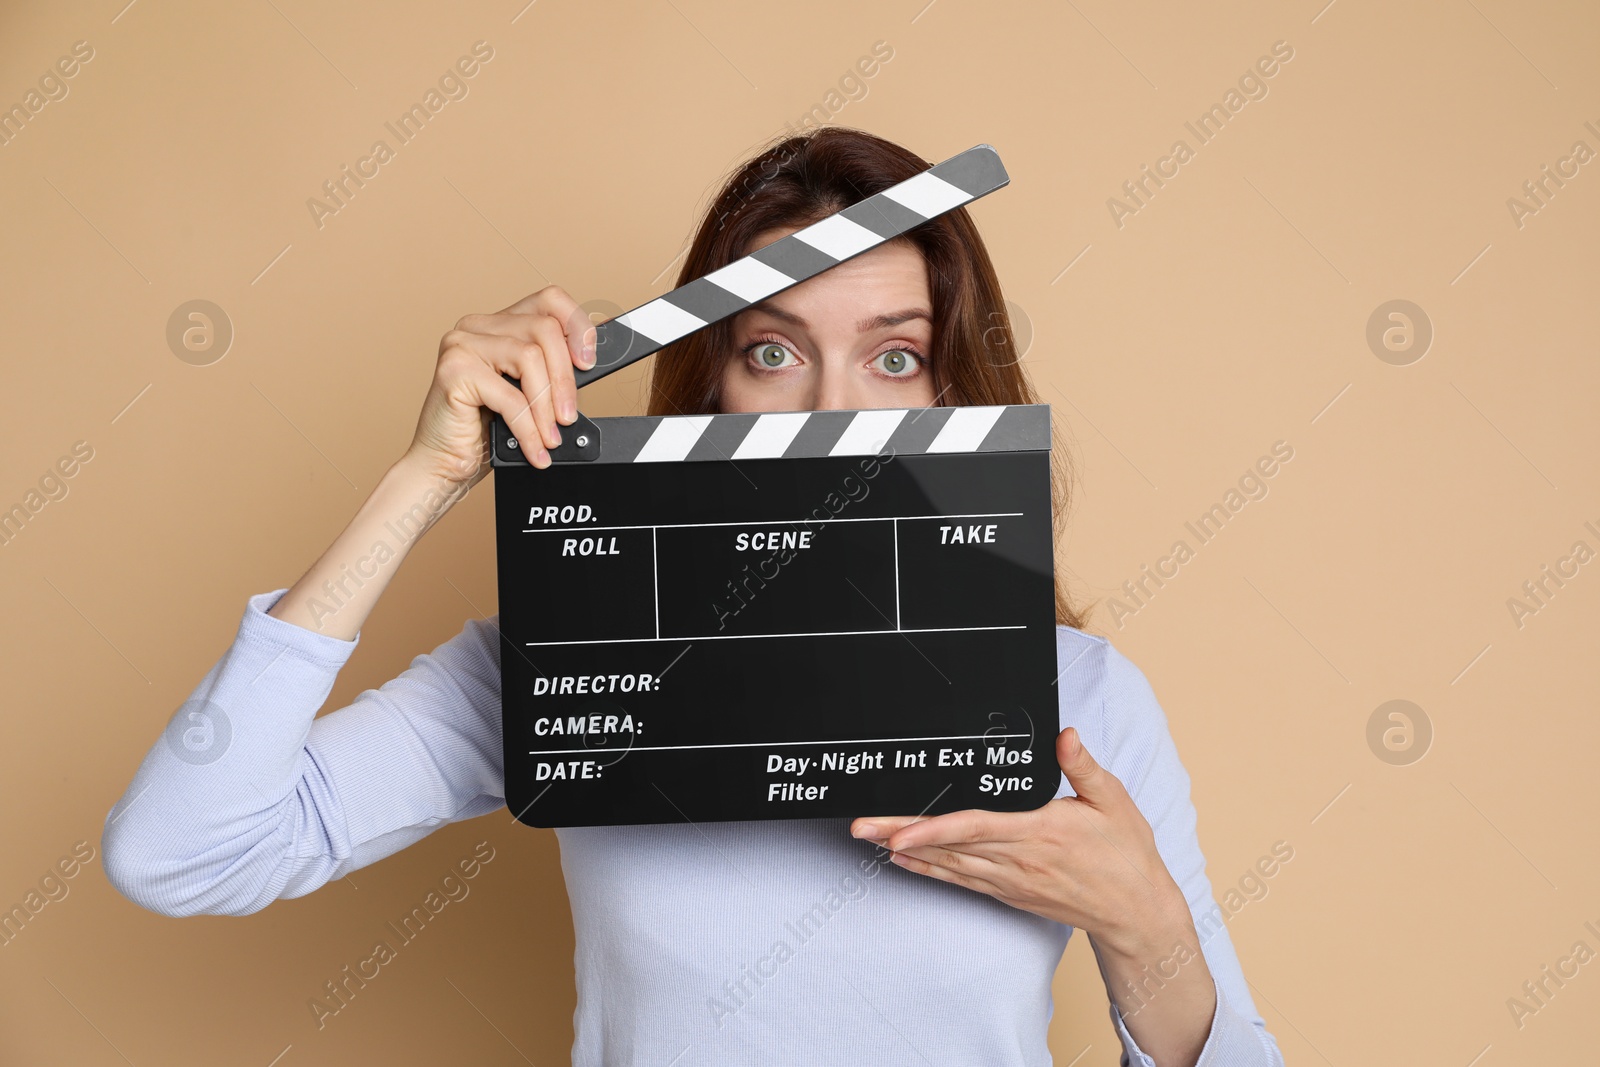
(893, 273)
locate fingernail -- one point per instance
(587, 356)
(569, 410)
(557, 434)
(543, 457)
(897, 858)
(866, 829)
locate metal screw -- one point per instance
(583, 440)
(511, 442)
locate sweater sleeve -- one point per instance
(1136, 745)
(248, 796)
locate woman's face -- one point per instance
(855, 336)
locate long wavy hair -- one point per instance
(799, 180)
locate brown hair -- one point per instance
(800, 180)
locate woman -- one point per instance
(782, 941)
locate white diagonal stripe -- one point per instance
(660, 321)
(673, 438)
(966, 428)
(867, 432)
(838, 237)
(770, 435)
(926, 194)
(749, 279)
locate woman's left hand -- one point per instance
(1088, 860)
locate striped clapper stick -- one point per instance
(785, 262)
(790, 260)
(781, 615)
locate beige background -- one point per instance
(1228, 313)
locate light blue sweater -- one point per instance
(737, 942)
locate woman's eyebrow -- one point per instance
(876, 322)
(893, 318)
(778, 313)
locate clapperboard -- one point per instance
(797, 614)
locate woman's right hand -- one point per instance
(538, 340)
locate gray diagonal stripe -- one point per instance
(622, 438)
(917, 431)
(722, 436)
(613, 343)
(1021, 427)
(882, 216)
(976, 171)
(794, 257)
(820, 433)
(705, 300)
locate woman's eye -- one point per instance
(897, 362)
(771, 354)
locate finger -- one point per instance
(966, 859)
(522, 326)
(500, 351)
(506, 323)
(876, 827)
(919, 865)
(970, 825)
(487, 389)
(1090, 781)
(559, 304)
(575, 332)
(535, 382)
(530, 304)
(558, 365)
(505, 355)
(1000, 853)
(579, 331)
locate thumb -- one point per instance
(1089, 780)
